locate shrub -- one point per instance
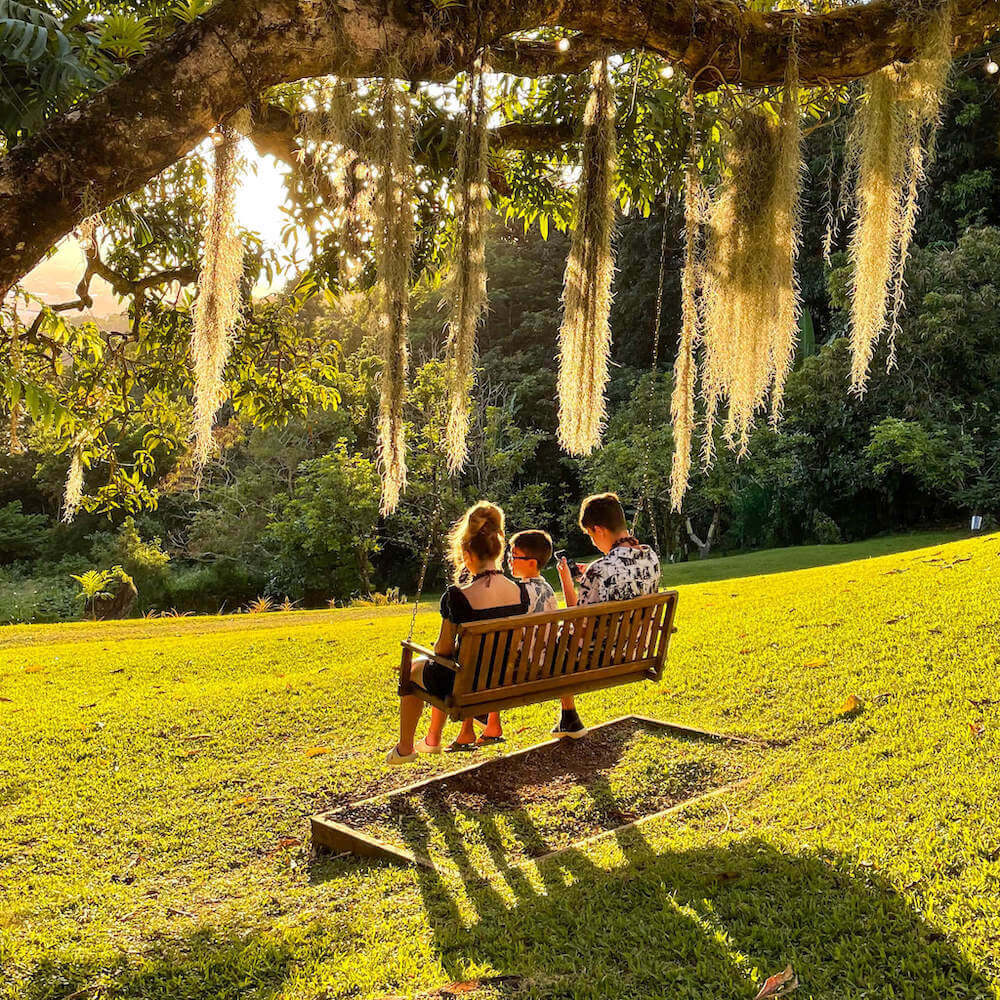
(391, 597)
(825, 529)
(21, 535)
(145, 562)
(28, 600)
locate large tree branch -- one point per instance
(275, 131)
(124, 135)
(123, 286)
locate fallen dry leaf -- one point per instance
(34, 669)
(316, 751)
(853, 704)
(470, 986)
(246, 800)
(977, 728)
(287, 842)
(7, 699)
(820, 662)
(779, 985)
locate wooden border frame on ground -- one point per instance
(327, 833)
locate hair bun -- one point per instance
(479, 531)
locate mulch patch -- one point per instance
(532, 790)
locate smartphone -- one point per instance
(574, 568)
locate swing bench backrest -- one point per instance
(507, 662)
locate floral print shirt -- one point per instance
(541, 597)
(628, 570)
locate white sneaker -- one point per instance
(394, 757)
(422, 746)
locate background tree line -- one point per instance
(292, 509)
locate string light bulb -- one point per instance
(991, 65)
(563, 45)
(667, 71)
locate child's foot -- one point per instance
(395, 758)
(422, 746)
(569, 725)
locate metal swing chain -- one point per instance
(644, 500)
(426, 561)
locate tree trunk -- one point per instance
(161, 109)
(705, 547)
(364, 568)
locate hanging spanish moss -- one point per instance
(685, 373)
(217, 307)
(393, 239)
(894, 136)
(750, 295)
(585, 334)
(332, 159)
(466, 286)
(787, 187)
(73, 494)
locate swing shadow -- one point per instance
(685, 923)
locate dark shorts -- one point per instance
(437, 680)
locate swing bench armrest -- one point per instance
(445, 661)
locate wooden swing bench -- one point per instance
(507, 662)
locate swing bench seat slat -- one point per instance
(508, 662)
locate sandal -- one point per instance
(422, 746)
(457, 747)
(490, 741)
(394, 757)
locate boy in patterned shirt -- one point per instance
(627, 569)
(530, 552)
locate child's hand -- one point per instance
(565, 573)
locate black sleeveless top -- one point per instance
(455, 607)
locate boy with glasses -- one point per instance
(530, 552)
(527, 556)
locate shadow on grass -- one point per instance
(703, 924)
(201, 964)
(710, 922)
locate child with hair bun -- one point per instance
(481, 591)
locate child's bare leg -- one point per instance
(568, 704)
(410, 707)
(434, 730)
(467, 733)
(493, 727)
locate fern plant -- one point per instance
(93, 588)
(46, 63)
(125, 35)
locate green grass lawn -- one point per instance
(156, 779)
(766, 561)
